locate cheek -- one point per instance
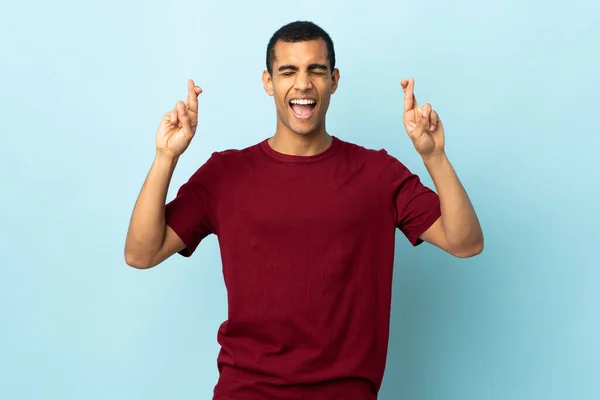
(281, 102)
(280, 94)
(325, 90)
(325, 97)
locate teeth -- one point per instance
(303, 101)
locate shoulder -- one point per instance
(379, 158)
(226, 156)
(227, 163)
(236, 154)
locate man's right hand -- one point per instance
(178, 126)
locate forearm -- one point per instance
(461, 225)
(147, 226)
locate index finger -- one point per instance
(410, 101)
(192, 100)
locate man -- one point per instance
(306, 225)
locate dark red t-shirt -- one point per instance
(307, 247)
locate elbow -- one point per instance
(135, 261)
(470, 250)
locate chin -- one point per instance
(305, 130)
(301, 127)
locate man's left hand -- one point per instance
(423, 125)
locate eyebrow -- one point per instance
(310, 67)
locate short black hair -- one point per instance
(299, 31)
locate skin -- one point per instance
(458, 230)
(149, 240)
(299, 70)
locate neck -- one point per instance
(287, 142)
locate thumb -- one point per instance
(421, 126)
(186, 123)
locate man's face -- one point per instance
(301, 84)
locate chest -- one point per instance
(300, 201)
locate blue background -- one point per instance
(84, 85)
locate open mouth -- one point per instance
(303, 108)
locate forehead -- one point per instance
(300, 53)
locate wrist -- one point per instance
(165, 159)
(434, 159)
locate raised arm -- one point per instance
(457, 231)
(149, 240)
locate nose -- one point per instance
(303, 82)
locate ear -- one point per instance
(267, 82)
(335, 79)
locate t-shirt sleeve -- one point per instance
(192, 213)
(417, 206)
